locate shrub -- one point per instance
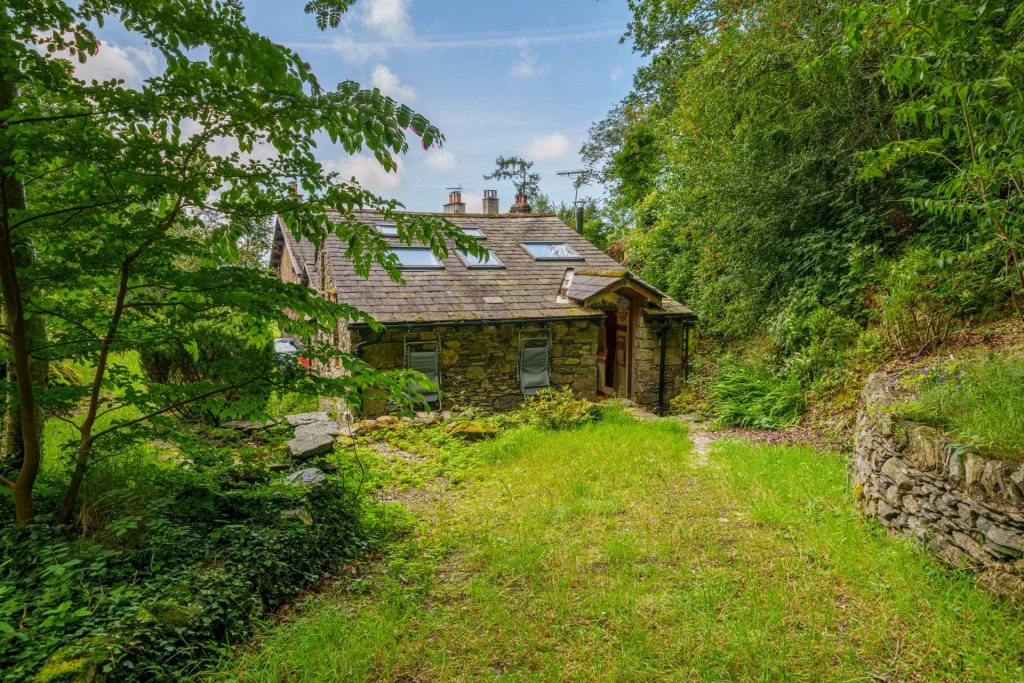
(556, 409)
(747, 394)
(281, 404)
(981, 402)
(925, 299)
(815, 339)
(212, 359)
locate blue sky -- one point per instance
(525, 77)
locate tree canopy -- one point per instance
(517, 169)
(124, 208)
(764, 163)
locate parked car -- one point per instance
(289, 351)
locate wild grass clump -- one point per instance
(750, 395)
(980, 402)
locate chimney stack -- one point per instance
(491, 202)
(455, 203)
(521, 205)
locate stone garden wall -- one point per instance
(968, 509)
(478, 362)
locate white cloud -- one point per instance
(441, 160)
(546, 147)
(485, 39)
(352, 51)
(389, 18)
(131, 64)
(368, 172)
(385, 79)
(617, 73)
(527, 66)
(474, 202)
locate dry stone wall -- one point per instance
(967, 508)
(478, 362)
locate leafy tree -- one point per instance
(595, 227)
(116, 182)
(517, 169)
(736, 170)
(959, 67)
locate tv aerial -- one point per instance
(581, 176)
(455, 189)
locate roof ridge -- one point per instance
(453, 216)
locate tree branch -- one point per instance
(174, 406)
(57, 212)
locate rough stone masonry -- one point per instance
(967, 508)
(478, 362)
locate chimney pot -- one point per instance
(455, 203)
(521, 205)
(490, 202)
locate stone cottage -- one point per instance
(545, 308)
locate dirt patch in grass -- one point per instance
(793, 436)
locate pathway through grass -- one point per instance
(600, 555)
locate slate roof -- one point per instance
(524, 289)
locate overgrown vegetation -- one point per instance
(751, 395)
(554, 409)
(131, 213)
(603, 552)
(138, 310)
(826, 184)
(979, 402)
(171, 560)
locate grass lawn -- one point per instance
(609, 553)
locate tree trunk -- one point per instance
(23, 421)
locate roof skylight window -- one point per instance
(551, 251)
(485, 260)
(474, 232)
(417, 258)
(387, 229)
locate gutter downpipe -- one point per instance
(686, 353)
(663, 335)
(369, 342)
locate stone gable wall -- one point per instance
(478, 362)
(288, 269)
(967, 508)
(647, 361)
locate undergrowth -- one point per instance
(978, 401)
(746, 394)
(171, 560)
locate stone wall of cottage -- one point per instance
(289, 270)
(478, 362)
(647, 361)
(967, 508)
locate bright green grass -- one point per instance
(61, 437)
(606, 554)
(981, 401)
